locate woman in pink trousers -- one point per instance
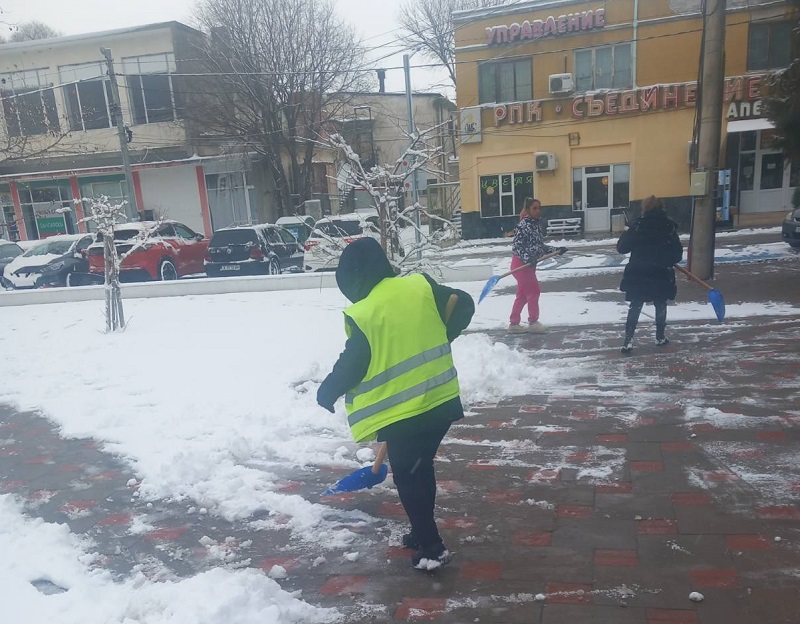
(528, 247)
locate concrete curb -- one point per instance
(217, 286)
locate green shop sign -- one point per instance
(50, 226)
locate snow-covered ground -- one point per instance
(210, 398)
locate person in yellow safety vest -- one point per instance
(398, 376)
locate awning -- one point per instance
(747, 125)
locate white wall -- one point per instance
(172, 192)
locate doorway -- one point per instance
(766, 180)
(598, 189)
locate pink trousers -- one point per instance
(528, 292)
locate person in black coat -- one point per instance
(654, 245)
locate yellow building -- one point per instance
(590, 106)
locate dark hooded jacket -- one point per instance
(654, 245)
(362, 266)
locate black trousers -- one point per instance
(411, 457)
(633, 318)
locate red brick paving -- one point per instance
(339, 585)
(626, 558)
(720, 578)
(691, 499)
(420, 609)
(657, 527)
(481, 570)
(747, 542)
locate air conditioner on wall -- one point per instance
(561, 83)
(545, 161)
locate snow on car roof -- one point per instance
(62, 237)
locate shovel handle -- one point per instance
(529, 264)
(376, 466)
(693, 277)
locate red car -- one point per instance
(170, 250)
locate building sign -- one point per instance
(50, 226)
(741, 95)
(550, 27)
(470, 119)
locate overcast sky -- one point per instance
(374, 19)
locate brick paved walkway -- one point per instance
(670, 471)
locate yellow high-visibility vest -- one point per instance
(411, 367)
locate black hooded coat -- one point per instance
(654, 245)
(362, 266)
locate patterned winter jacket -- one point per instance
(528, 241)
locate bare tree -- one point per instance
(386, 186)
(275, 69)
(429, 27)
(29, 31)
(105, 217)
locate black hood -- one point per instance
(362, 266)
(655, 224)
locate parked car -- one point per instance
(8, 251)
(165, 251)
(253, 250)
(332, 234)
(791, 228)
(49, 262)
(300, 226)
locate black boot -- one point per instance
(627, 346)
(429, 559)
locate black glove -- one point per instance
(562, 250)
(325, 401)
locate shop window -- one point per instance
(29, 103)
(150, 87)
(794, 174)
(507, 81)
(769, 46)
(87, 93)
(606, 67)
(504, 195)
(41, 205)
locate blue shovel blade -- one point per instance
(488, 288)
(718, 303)
(361, 479)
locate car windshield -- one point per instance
(121, 235)
(8, 251)
(233, 237)
(339, 228)
(57, 248)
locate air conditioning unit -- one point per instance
(545, 161)
(561, 83)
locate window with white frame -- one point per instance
(606, 67)
(87, 94)
(505, 81)
(504, 195)
(150, 87)
(29, 103)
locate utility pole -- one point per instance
(701, 242)
(415, 189)
(116, 110)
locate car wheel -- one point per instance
(274, 268)
(167, 271)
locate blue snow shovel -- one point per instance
(364, 478)
(714, 296)
(496, 278)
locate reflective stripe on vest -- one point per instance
(401, 397)
(398, 369)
